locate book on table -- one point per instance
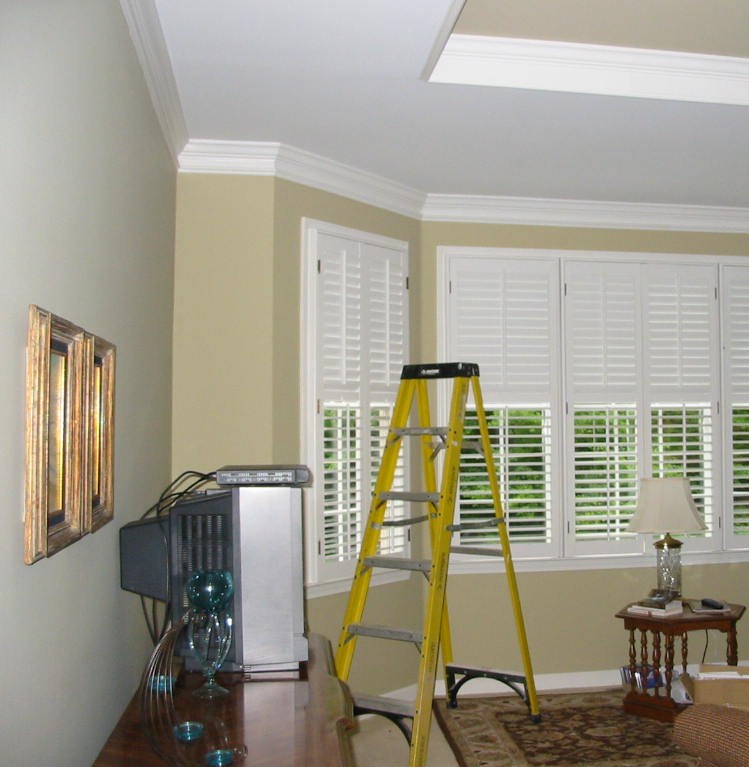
(658, 602)
(672, 608)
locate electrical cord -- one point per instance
(171, 494)
(187, 482)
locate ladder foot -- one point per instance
(457, 676)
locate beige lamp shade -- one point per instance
(665, 505)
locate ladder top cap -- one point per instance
(440, 370)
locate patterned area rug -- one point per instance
(576, 730)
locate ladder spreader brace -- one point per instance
(414, 720)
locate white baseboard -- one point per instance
(581, 680)
(544, 683)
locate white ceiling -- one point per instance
(346, 80)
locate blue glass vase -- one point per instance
(210, 628)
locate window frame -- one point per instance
(325, 577)
(721, 546)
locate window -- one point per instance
(735, 306)
(596, 370)
(504, 314)
(355, 310)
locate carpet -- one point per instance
(576, 730)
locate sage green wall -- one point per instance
(87, 220)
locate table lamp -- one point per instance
(665, 505)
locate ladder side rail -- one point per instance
(505, 546)
(429, 456)
(438, 579)
(371, 538)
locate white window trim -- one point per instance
(316, 583)
(645, 557)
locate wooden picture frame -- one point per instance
(99, 498)
(69, 434)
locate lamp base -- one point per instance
(668, 564)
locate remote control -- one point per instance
(713, 604)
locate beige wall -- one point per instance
(250, 228)
(294, 202)
(568, 614)
(87, 220)
(236, 343)
(223, 395)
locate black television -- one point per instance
(256, 533)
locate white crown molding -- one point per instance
(244, 158)
(593, 69)
(272, 159)
(261, 158)
(282, 161)
(150, 47)
(592, 214)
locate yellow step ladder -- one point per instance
(439, 507)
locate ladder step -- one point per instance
(421, 431)
(403, 521)
(399, 712)
(483, 525)
(469, 446)
(399, 495)
(385, 632)
(480, 551)
(399, 563)
(379, 704)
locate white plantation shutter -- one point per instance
(735, 325)
(602, 331)
(360, 308)
(340, 293)
(680, 328)
(503, 315)
(633, 366)
(603, 374)
(681, 386)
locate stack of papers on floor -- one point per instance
(726, 685)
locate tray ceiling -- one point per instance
(348, 81)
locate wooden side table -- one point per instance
(658, 654)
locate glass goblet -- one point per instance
(210, 628)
